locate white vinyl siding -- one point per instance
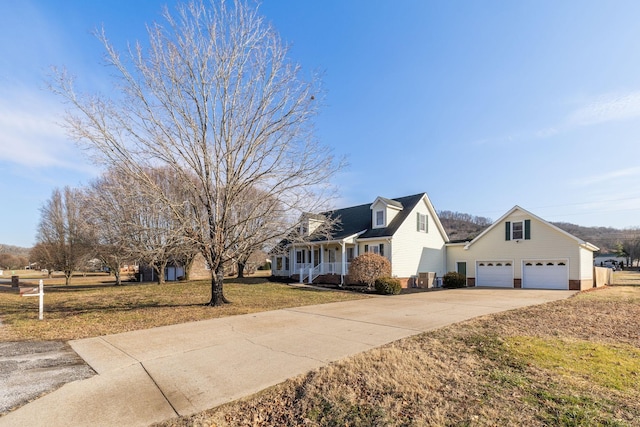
(414, 252)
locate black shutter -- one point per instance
(527, 229)
(366, 248)
(381, 248)
(507, 230)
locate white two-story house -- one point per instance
(405, 230)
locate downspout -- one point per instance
(390, 254)
(445, 259)
(344, 263)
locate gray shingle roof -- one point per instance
(356, 219)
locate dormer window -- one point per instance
(383, 211)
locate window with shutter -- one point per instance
(517, 230)
(421, 221)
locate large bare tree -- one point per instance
(214, 97)
(63, 233)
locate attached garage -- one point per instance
(549, 274)
(521, 250)
(495, 273)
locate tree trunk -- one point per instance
(159, 269)
(241, 265)
(217, 291)
(67, 277)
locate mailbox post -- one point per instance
(35, 292)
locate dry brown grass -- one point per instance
(86, 310)
(492, 371)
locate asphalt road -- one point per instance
(29, 369)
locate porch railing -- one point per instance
(307, 270)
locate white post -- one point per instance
(41, 296)
(344, 262)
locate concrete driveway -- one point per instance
(151, 375)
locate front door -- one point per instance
(462, 268)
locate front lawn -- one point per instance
(88, 307)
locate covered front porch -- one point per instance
(313, 259)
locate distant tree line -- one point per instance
(464, 217)
(12, 262)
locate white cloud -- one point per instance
(609, 177)
(31, 134)
(610, 107)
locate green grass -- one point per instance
(611, 366)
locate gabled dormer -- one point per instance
(383, 211)
(309, 223)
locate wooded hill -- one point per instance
(14, 250)
(461, 227)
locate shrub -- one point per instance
(388, 286)
(454, 280)
(368, 267)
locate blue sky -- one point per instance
(482, 104)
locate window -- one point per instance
(350, 253)
(379, 218)
(422, 223)
(517, 230)
(376, 249)
(279, 263)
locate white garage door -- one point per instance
(552, 274)
(495, 273)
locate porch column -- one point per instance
(322, 258)
(344, 263)
(292, 253)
